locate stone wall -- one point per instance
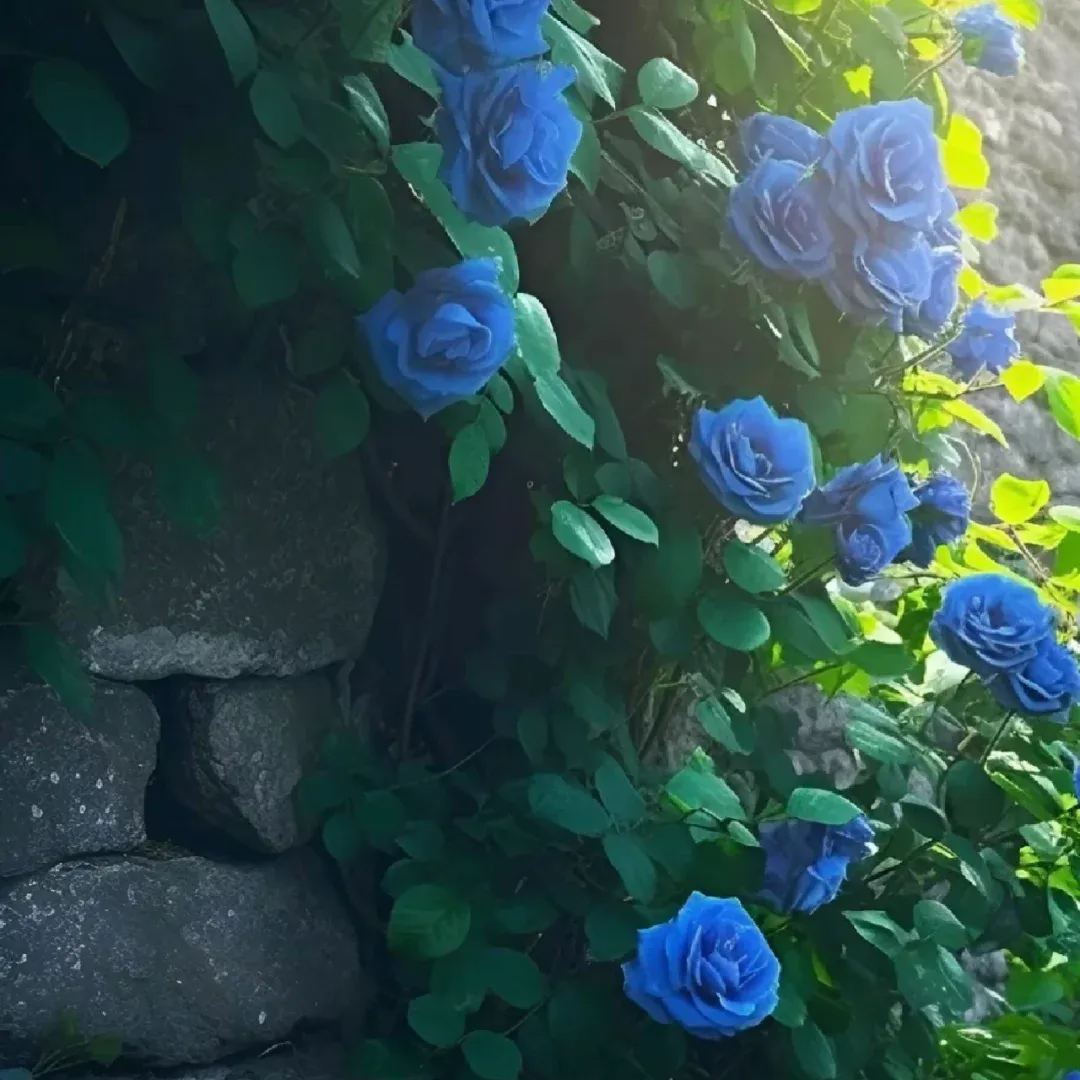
(1033, 144)
(217, 681)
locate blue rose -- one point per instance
(940, 518)
(758, 466)
(507, 139)
(991, 40)
(882, 283)
(780, 216)
(864, 549)
(806, 863)
(766, 135)
(1045, 685)
(709, 970)
(991, 623)
(875, 491)
(986, 340)
(885, 167)
(867, 506)
(443, 339)
(462, 34)
(929, 318)
(945, 232)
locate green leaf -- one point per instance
(492, 1056)
(935, 922)
(560, 404)
(1063, 395)
(76, 507)
(597, 72)
(925, 818)
(22, 469)
(367, 27)
(367, 105)
(879, 930)
(275, 109)
(513, 976)
(632, 864)
(1028, 990)
(813, 1051)
(266, 269)
(663, 136)
(627, 518)
(826, 807)
(532, 733)
(55, 661)
(187, 488)
(342, 415)
(612, 931)
(733, 622)
(1015, 501)
(557, 800)
(929, 976)
(27, 405)
(329, 233)
(143, 50)
(664, 86)
(619, 796)
(12, 542)
(413, 66)
(237, 40)
(697, 787)
(1028, 13)
(666, 578)
(81, 109)
(104, 1049)
(575, 15)
(593, 598)
(1022, 378)
(470, 457)
(428, 921)
(592, 389)
(436, 1021)
(878, 744)
(499, 390)
(536, 339)
(580, 534)
(752, 569)
(418, 164)
(676, 277)
(343, 837)
(745, 44)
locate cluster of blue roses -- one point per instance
(1000, 629)
(864, 210)
(761, 468)
(506, 130)
(710, 969)
(991, 40)
(507, 135)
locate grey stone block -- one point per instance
(188, 960)
(71, 785)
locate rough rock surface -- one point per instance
(989, 973)
(309, 1063)
(189, 960)
(1033, 145)
(71, 785)
(236, 750)
(287, 583)
(819, 741)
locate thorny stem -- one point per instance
(940, 62)
(997, 737)
(910, 857)
(806, 676)
(425, 631)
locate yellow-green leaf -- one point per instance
(979, 221)
(1063, 284)
(1028, 13)
(1014, 500)
(1022, 379)
(965, 165)
(965, 411)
